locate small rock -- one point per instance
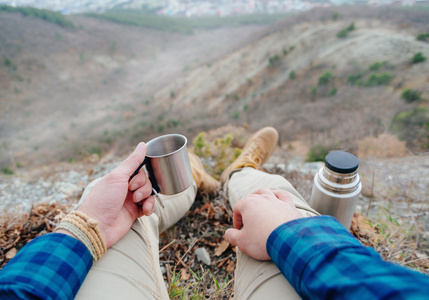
(70, 189)
(203, 256)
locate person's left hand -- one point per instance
(116, 203)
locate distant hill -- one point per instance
(323, 81)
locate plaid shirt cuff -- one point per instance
(292, 245)
(52, 266)
(322, 260)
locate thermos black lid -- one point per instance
(341, 162)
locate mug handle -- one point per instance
(146, 161)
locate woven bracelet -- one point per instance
(85, 226)
(73, 229)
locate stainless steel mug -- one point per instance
(337, 186)
(167, 164)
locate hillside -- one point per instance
(70, 92)
(254, 85)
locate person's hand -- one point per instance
(116, 203)
(255, 218)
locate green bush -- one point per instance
(201, 146)
(410, 125)
(274, 60)
(9, 63)
(342, 33)
(292, 75)
(418, 58)
(375, 79)
(326, 78)
(424, 37)
(335, 16)
(317, 153)
(44, 14)
(333, 91)
(377, 65)
(7, 171)
(355, 79)
(94, 150)
(410, 95)
(313, 92)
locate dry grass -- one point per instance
(383, 146)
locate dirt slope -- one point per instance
(243, 88)
(64, 88)
(103, 86)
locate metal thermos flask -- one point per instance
(337, 186)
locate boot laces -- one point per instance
(254, 155)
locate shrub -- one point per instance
(410, 125)
(7, 171)
(313, 92)
(292, 75)
(94, 150)
(418, 58)
(201, 147)
(9, 63)
(284, 51)
(344, 32)
(171, 123)
(424, 37)
(317, 153)
(326, 78)
(378, 79)
(355, 79)
(274, 60)
(377, 65)
(335, 16)
(333, 91)
(410, 95)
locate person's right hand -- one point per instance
(255, 218)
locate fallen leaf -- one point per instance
(221, 248)
(231, 267)
(11, 253)
(184, 274)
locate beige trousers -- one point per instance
(130, 269)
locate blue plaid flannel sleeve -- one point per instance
(52, 266)
(322, 260)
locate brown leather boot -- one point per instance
(205, 182)
(255, 153)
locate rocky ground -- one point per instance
(397, 185)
